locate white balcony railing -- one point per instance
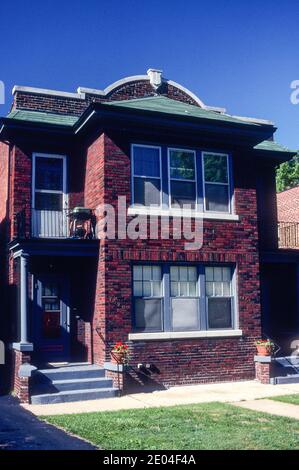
(50, 224)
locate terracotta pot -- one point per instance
(263, 350)
(118, 357)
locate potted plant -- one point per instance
(264, 347)
(119, 353)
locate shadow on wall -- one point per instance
(142, 380)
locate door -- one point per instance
(49, 198)
(51, 318)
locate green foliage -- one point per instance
(287, 174)
(210, 426)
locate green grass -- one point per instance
(293, 399)
(203, 426)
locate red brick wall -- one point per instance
(21, 385)
(73, 106)
(179, 361)
(4, 162)
(94, 195)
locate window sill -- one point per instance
(157, 211)
(185, 335)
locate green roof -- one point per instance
(161, 104)
(272, 146)
(47, 118)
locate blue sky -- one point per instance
(235, 54)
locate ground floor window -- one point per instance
(183, 297)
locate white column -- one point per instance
(23, 345)
(24, 298)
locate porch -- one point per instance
(280, 307)
(52, 303)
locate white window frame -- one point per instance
(145, 176)
(233, 297)
(169, 149)
(64, 191)
(228, 184)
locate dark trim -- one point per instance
(47, 247)
(280, 256)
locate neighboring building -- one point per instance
(288, 205)
(189, 316)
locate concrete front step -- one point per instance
(71, 383)
(81, 384)
(74, 395)
(286, 370)
(71, 372)
(287, 379)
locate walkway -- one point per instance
(270, 406)
(221, 392)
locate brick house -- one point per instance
(188, 315)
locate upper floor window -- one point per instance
(48, 183)
(146, 175)
(180, 177)
(216, 182)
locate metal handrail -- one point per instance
(100, 334)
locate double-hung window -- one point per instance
(216, 182)
(219, 297)
(183, 298)
(182, 178)
(147, 290)
(146, 175)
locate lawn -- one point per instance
(293, 399)
(191, 427)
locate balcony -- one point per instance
(76, 223)
(288, 235)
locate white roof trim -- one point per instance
(44, 91)
(188, 92)
(135, 78)
(254, 120)
(117, 84)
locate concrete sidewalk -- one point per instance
(222, 392)
(270, 406)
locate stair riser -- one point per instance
(286, 380)
(82, 385)
(43, 400)
(88, 374)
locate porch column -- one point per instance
(24, 298)
(24, 344)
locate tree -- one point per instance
(287, 174)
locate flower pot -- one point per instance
(118, 357)
(264, 350)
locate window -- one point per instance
(49, 185)
(49, 197)
(147, 290)
(219, 297)
(182, 174)
(187, 177)
(216, 182)
(146, 175)
(183, 298)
